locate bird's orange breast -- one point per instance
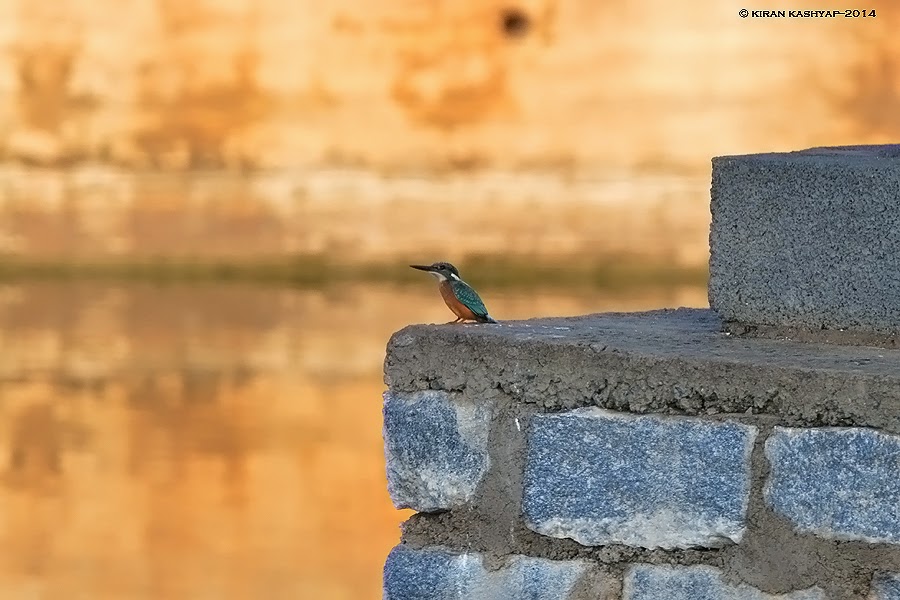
(459, 309)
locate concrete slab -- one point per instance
(808, 238)
(669, 361)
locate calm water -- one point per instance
(210, 442)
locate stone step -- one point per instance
(808, 238)
(667, 361)
(753, 468)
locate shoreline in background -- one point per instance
(497, 272)
(102, 215)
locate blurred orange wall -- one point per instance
(436, 84)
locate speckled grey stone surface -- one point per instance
(601, 477)
(808, 238)
(886, 586)
(841, 483)
(653, 582)
(436, 574)
(435, 448)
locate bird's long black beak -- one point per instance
(427, 268)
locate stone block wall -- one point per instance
(658, 455)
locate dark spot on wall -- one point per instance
(514, 23)
(454, 82)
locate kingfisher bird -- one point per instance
(459, 295)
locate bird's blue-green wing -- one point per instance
(465, 294)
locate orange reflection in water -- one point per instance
(208, 442)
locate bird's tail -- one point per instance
(488, 319)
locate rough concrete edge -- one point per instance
(701, 400)
(839, 337)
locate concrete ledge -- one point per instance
(651, 582)
(547, 404)
(435, 449)
(669, 361)
(837, 483)
(601, 477)
(808, 238)
(436, 574)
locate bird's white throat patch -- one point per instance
(440, 276)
